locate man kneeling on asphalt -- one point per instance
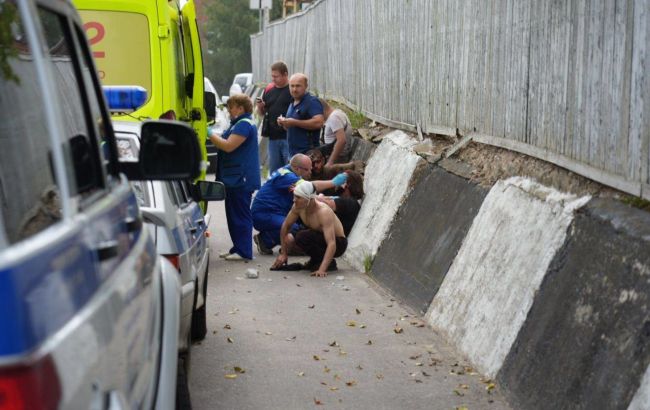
(324, 239)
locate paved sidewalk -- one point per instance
(290, 341)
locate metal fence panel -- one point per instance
(561, 80)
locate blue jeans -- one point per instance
(278, 151)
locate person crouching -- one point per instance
(324, 239)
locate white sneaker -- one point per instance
(234, 257)
(225, 254)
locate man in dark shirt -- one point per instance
(274, 103)
(346, 206)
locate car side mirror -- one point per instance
(209, 191)
(169, 150)
(210, 105)
(224, 99)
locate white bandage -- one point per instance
(305, 190)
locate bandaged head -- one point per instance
(305, 190)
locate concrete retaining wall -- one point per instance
(490, 286)
(426, 236)
(387, 177)
(586, 342)
(547, 292)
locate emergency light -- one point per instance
(124, 98)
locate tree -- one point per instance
(229, 26)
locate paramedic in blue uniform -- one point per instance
(275, 198)
(304, 118)
(238, 167)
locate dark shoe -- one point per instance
(261, 248)
(332, 267)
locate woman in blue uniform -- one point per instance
(238, 167)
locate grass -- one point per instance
(357, 119)
(367, 263)
(637, 202)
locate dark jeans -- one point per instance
(314, 245)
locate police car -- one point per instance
(89, 313)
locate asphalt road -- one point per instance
(290, 341)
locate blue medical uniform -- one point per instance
(301, 140)
(272, 204)
(239, 170)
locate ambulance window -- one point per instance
(179, 61)
(79, 130)
(116, 37)
(29, 193)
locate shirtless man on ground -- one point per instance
(322, 242)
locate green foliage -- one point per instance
(637, 202)
(357, 119)
(8, 51)
(230, 24)
(367, 263)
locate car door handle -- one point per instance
(106, 250)
(194, 229)
(199, 221)
(133, 224)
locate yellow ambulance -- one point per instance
(155, 45)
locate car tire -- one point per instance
(183, 399)
(199, 320)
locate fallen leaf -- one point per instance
(311, 306)
(490, 387)
(351, 383)
(326, 369)
(316, 357)
(351, 323)
(230, 376)
(323, 383)
(415, 357)
(290, 339)
(362, 326)
(426, 374)
(463, 386)
(268, 333)
(317, 402)
(229, 340)
(299, 285)
(333, 344)
(398, 330)
(334, 388)
(418, 364)
(369, 342)
(301, 374)
(458, 393)
(342, 352)
(379, 376)
(239, 369)
(461, 408)
(359, 367)
(358, 311)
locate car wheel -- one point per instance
(183, 399)
(199, 320)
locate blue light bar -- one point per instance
(124, 98)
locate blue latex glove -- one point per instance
(340, 179)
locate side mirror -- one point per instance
(224, 99)
(169, 150)
(209, 191)
(210, 105)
